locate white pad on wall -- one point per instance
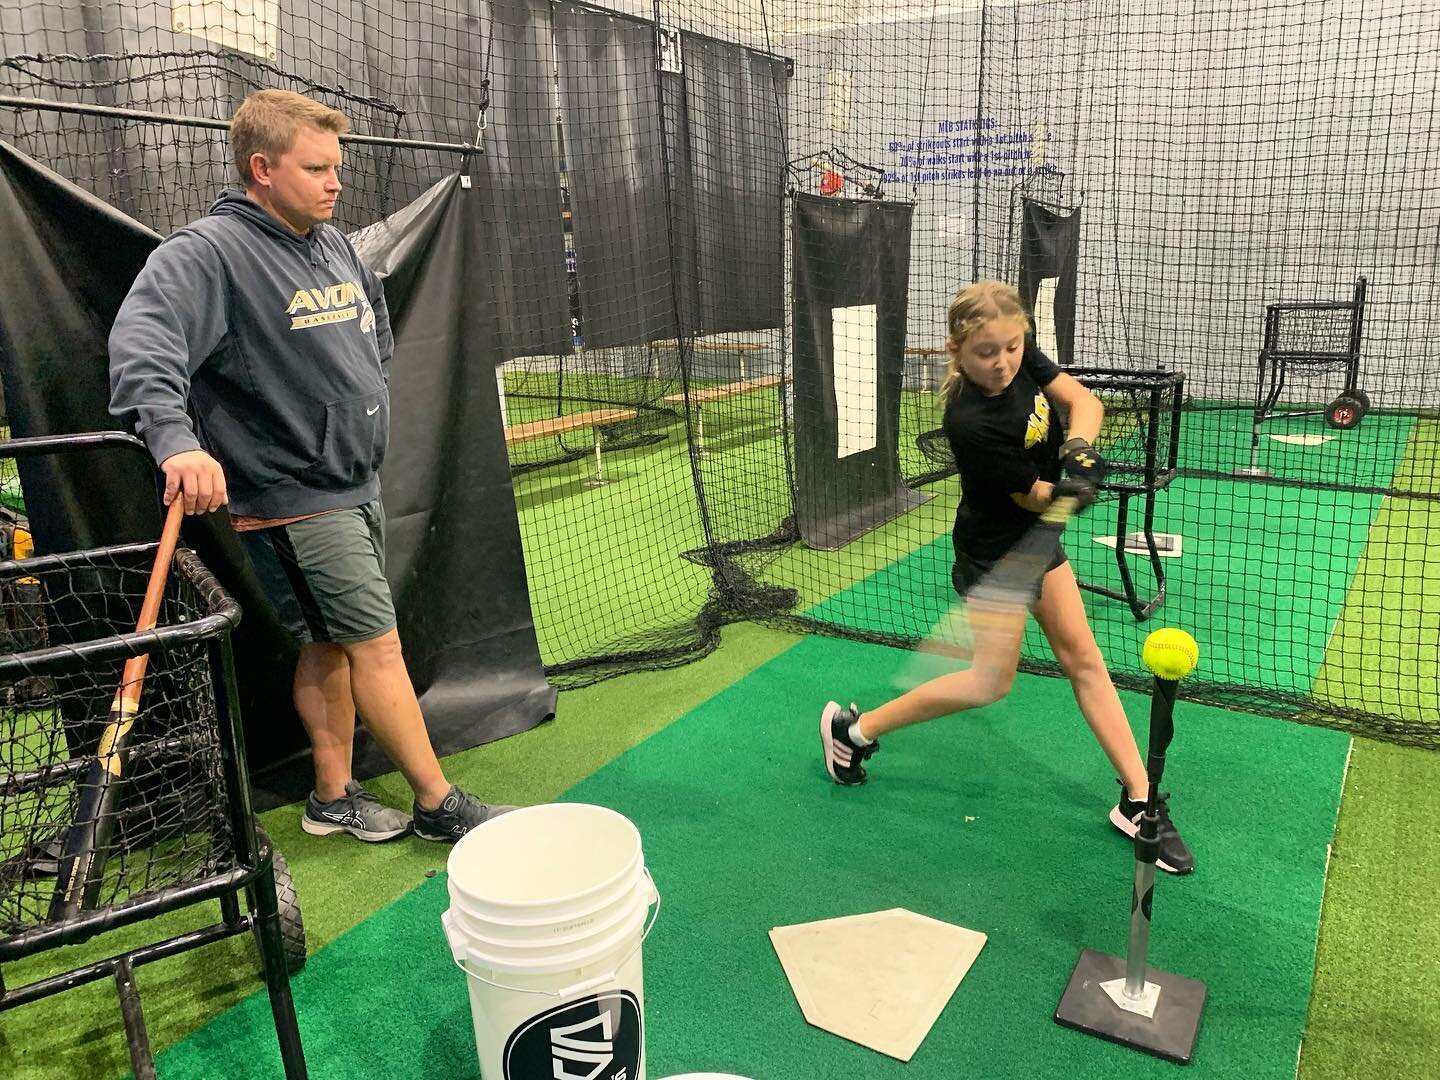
(248, 26)
(856, 378)
(837, 99)
(500, 390)
(1044, 316)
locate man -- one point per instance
(262, 319)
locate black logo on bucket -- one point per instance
(595, 1038)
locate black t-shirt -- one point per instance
(1003, 444)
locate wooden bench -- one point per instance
(558, 425)
(730, 389)
(716, 346)
(741, 348)
(718, 393)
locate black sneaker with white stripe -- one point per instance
(457, 814)
(358, 813)
(843, 758)
(1175, 856)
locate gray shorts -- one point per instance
(325, 575)
(968, 572)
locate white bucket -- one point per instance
(548, 909)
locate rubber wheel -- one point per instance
(1344, 412)
(1362, 397)
(292, 926)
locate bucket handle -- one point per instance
(587, 984)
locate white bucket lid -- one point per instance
(497, 959)
(485, 932)
(541, 915)
(539, 856)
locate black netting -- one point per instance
(61, 666)
(1196, 192)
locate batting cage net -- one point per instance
(720, 241)
(67, 619)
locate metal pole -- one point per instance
(115, 112)
(142, 1062)
(1137, 952)
(1147, 842)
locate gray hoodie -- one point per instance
(279, 343)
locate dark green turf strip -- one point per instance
(1364, 456)
(995, 821)
(1238, 581)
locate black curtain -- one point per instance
(521, 170)
(70, 261)
(733, 190)
(676, 180)
(1050, 248)
(454, 555)
(616, 171)
(458, 576)
(848, 253)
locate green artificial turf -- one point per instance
(606, 565)
(1365, 456)
(1376, 983)
(995, 821)
(1395, 600)
(1352, 1033)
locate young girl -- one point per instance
(1001, 397)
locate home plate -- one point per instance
(1167, 545)
(881, 979)
(1301, 440)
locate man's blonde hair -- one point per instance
(973, 307)
(266, 123)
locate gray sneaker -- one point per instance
(357, 812)
(457, 814)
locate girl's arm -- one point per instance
(1084, 409)
(1086, 415)
(1037, 498)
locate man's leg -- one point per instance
(381, 689)
(333, 567)
(322, 698)
(325, 705)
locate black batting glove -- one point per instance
(1083, 462)
(1081, 492)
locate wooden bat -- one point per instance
(83, 861)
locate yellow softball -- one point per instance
(1170, 653)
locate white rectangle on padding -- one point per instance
(248, 26)
(1045, 318)
(857, 378)
(837, 99)
(500, 392)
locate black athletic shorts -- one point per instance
(967, 572)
